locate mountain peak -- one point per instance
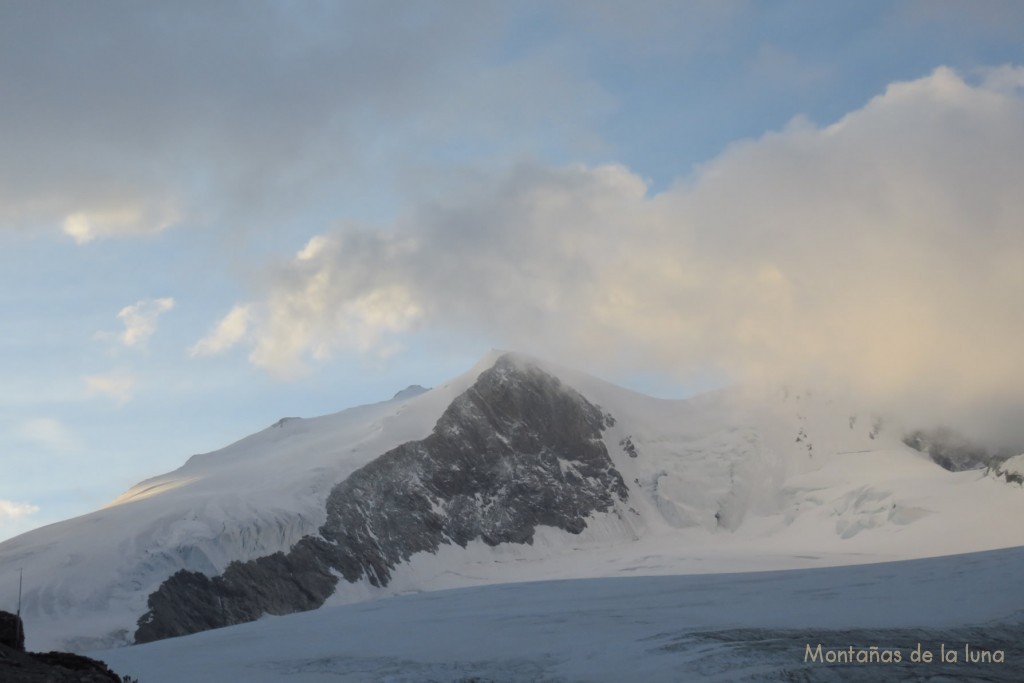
(513, 470)
(410, 391)
(513, 454)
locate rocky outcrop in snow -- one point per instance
(1011, 470)
(517, 450)
(953, 451)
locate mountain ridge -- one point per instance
(485, 473)
(728, 481)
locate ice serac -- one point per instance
(517, 450)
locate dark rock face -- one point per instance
(1008, 476)
(18, 666)
(954, 452)
(12, 631)
(52, 667)
(516, 450)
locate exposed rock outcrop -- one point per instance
(12, 631)
(1011, 470)
(953, 451)
(517, 450)
(18, 666)
(52, 667)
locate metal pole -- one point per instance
(21, 628)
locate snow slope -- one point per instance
(725, 482)
(718, 627)
(87, 579)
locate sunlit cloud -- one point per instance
(11, 510)
(140, 319)
(119, 387)
(86, 226)
(322, 311)
(226, 334)
(881, 252)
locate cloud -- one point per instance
(88, 225)
(119, 387)
(10, 510)
(319, 311)
(240, 114)
(1006, 78)
(226, 334)
(881, 252)
(140, 320)
(49, 433)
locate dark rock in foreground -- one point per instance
(12, 631)
(52, 667)
(18, 666)
(517, 450)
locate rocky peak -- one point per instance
(515, 451)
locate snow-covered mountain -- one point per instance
(514, 471)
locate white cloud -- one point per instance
(1007, 78)
(10, 510)
(50, 434)
(87, 225)
(119, 387)
(320, 311)
(882, 252)
(140, 320)
(227, 333)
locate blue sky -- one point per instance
(213, 215)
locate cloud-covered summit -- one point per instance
(881, 251)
